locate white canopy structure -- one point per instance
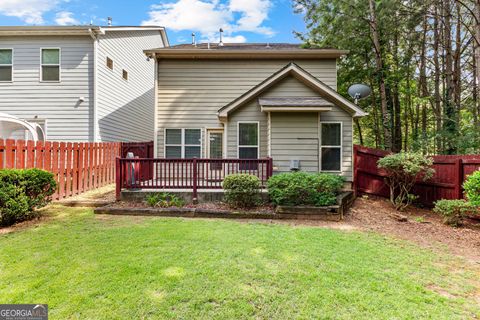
(10, 124)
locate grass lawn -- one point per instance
(91, 267)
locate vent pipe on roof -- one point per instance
(109, 19)
(194, 42)
(221, 38)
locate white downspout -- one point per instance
(95, 133)
(155, 99)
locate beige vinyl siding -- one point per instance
(337, 114)
(67, 118)
(294, 137)
(126, 108)
(190, 92)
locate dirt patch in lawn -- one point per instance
(106, 193)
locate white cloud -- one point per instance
(65, 18)
(30, 11)
(207, 16)
(235, 39)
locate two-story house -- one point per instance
(253, 101)
(81, 83)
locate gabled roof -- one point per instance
(292, 69)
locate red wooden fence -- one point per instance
(450, 173)
(77, 167)
(191, 174)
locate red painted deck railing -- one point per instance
(191, 174)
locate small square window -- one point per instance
(125, 74)
(109, 63)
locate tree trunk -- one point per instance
(387, 135)
(449, 125)
(437, 99)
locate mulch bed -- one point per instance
(423, 227)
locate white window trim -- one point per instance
(182, 145)
(328, 146)
(11, 65)
(49, 64)
(250, 146)
(206, 140)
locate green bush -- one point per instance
(23, 191)
(403, 170)
(301, 188)
(454, 211)
(472, 188)
(242, 190)
(164, 200)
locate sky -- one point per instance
(241, 20)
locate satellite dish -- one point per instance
(359, 91)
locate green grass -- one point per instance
(86, 267)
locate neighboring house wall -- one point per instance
(126, 108)
(57, 104)
(190, 92)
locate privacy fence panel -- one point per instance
(450, 173)
(77, 167)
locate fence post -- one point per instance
(194, 198)
(118, 177)
(355, 169)
(458, 178)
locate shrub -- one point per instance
(23, 191)
(472, 188)
(242, 190)
(301, 188)
(164, 200)
(454, 211)
(403, 170)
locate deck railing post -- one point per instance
(195, 178)
(118, 179)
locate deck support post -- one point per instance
(195, 179)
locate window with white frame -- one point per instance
(50, 65)
(183, 143)
(331, 146)
(6, 65)
(248, 140)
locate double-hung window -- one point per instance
(6, 65)
(331, 146)
(248, 140)
(50, 65)
(183, 143)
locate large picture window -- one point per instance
(50, 65)
(248, 140)
(6, 65)
(183, 143)
(331, 146)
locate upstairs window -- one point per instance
(183, 143)
(109, 63)
(331, 146)
(6, 65)
(50, 65)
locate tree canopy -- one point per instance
(420, 57)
